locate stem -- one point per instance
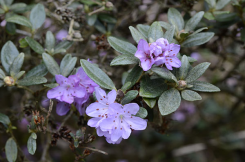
(29, 90)
(65, 120)
(100, 151)
(45, 150)
(96, 11)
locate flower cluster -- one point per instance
(158, 53)
(113, 120)
(75, 89)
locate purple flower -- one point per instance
(144, 53)
(113, 120)
(75, 89)
(61, 34)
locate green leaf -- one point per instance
(17, 64)
(221, 4)
(125, 59)
(134, 75)
(183, 70)
(10, 28)
(198, 31)
(11, 150)
(142, 113)
(34, 80)
(50, 41)
(191, 59)
(136, 34)
(21, 20)
(100, 27)
(225, 17)
(107, 18)
(2, 74)
(4, 119)
(169, 101)
(130, 95)
(67, 64)
(51, 64)
(193, 22)
(97, 75)
(155, 32)
(165, 25)
(2, 11)
(19, 74)
(39, 70)
(175, 18)
(152, 88)
(91, 19)
(243, 34)
(8, 53)
(17, 6)
(197, 71)
(197, 39)
(211, 3)
(169, 35)
(151, 102)
(122, 46)
(8, 2)
(209, 16)
(62, 46)
(189, 95)
(32, 144)
(203, 86)
(37, 16)
(126, 86)
(143, 29)
(23, 43)
(34, 45)
(51, 85)
(88, 2)
(164, 73)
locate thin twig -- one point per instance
(96, 11)
(103, 152)
(65, 120)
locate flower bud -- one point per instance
(9, 81)
(182, 85)
(109, 5)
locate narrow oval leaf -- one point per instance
(34, 45)
(107, 18)
(164, 73)
(31, 145)
(143, 29)
(21, 20)
(175, 18)
(197, 39)
(198, 31)
(4, 119)
(169, 101)
(39, 70)
(62, 46)
(91, 19)
(19, 74)
(221, 4)
(8, 2)
(203, 86)
(125, 59)
(17, 64)
(97, 75)
(211, 3)
(34, 80)
(126, 86)
(67, 64)
(183, 70)
(17, 6)
(50, 41)
(151, 102)
(51, 85)
(8, 53)
(189, 95)
(51, 64)
(2, 74)
(197, 71)
(130, 95)
(11, 150)
(193, 22)
(155, 32)
(1, 83)
(134, 75)
(37, 16)
(136, 34)
(152, 88)
(142, 113)
(100, 27)
(169, 35)
(165, 25)
(122, 46)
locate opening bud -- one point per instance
(182, 85)
(9, 81)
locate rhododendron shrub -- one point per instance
(80, 78)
